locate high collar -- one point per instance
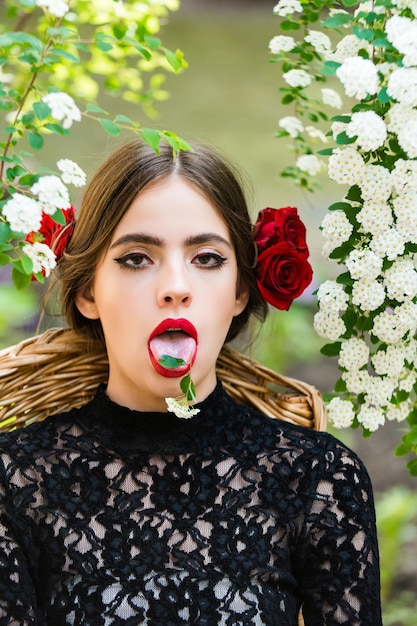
(128, 428)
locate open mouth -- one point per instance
(176, 338)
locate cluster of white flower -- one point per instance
(72, 174)
(377, 239)
(56, 7)
(287, 7)
(63, 108)
(281, 43)
(297, 78)
(292, 125)
(52, 194)
(41, 256)
(23, 214)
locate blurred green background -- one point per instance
(228, 97)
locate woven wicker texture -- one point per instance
(58, 370)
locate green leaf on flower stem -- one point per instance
(175, 59)
(20, 280)
(5, 232)
(119, 30)
(412, 467)
(35, 140)
(152, 138)
(340, 19)
(288, 98)
(170, 362)
(383, 96)
(4, 258)
(57, 129)
(329, 68)
(289, 25)
(331, 349)
(93, 108)
(153, 42)
(110, 127)
(185, 384)
(344, 279)
(59, 217)
(191, 395)
(57, 54)
(343, 139)
(123, 119)
(340, 206)
(340, 386)
(354, 194)
(402, 449)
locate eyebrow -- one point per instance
(192, 240)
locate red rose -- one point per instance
(276, 225)
(55, 235)
(283, 271)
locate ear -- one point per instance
(85, 303)
(242, 297)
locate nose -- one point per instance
(174, 286)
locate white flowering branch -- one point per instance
(50, 78)
(369, 313)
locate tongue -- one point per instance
(174, 343)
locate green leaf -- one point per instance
(354, 194)
(59, 217)
(343, 139)
(340, 19)
(63, 54)
(331, 349)
(57, 129)
(175, 61)
(340, 386)
(191, 395)
(119, 30)
(5, 232)
(110, 127)
(344, 279)
(26, 264)
(402, 449)
(340, 206)
(152, 138)
(171, 362)
(41, 110)
(4, 258)
(412, 467)
(93, 108)
(383, 96)
(185, 384)
(35, 140)
(20, 280)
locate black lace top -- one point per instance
(110, 516)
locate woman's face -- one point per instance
(167, 285)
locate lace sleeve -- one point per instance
(17, 593)
(339, 561)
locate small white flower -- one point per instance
(328, 324)
(336, 228)
(407, 138)
(309, 163)
(371, 417)
(398, 413)
(319, 40)
(56, 7)
(42, 257)
(376, 183)
(389, 244)
(72, 174)
(389, 361)
(297, 78)
(398, 115)
(341, 413)
(402, 33)
(364, 264)
(287, 7)
(379, 390)
(401, 280)
(23, 214)
(375, 217)
(332, 296)
(349, 47)
(390, 326)
(402, 86)
(180, 407)
(63, 108)
(359, 77)
(316, 133)
(331, 98)
(354, 354)
(292, 125)
(367, 294)
(346, 166)
(356, 380)
(281, 43)
(369, 129)
(404, 176)
(52, 194)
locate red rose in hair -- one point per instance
(283, 272)
(54, 235)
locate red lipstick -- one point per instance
(173, 337)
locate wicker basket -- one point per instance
(58, 370)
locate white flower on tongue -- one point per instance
(180, 405)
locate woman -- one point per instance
(121, 512)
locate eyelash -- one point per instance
(219, 260)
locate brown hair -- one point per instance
(127, 172)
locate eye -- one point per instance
(134, 261)
(209, 260)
